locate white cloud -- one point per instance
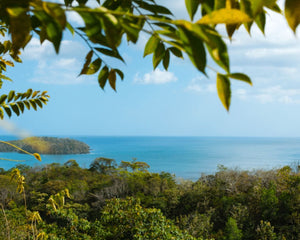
(156, 77)
(198, 85)
(60, 72)
(273, 94)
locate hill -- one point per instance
(47, 145)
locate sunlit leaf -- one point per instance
(94, 66)
(37, 156)
(227, 16)
(151, 45)
(292, 13)
(224, 91)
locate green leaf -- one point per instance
(158, 55)
(112, 30)
(20, 27)
(27, 104)
(241, 77)
(2, 99)
(21, 106)
(110, 53)
(224, 91)
(1, 113)
(194, 47)
(191, 7)
(15, 108)
(245, 6)
(112, 79)
(33, 104)
(94, 66)
(166, 60)
(292, 13)
(56, 12)
(151, 45)
(38, 102)
(102, 77)
(154, 8)
(7, 110)
(230, 29)
(120, 73)
(11, 95)
(176, 52)
(257, 6)
(88, 60)
(216, 46)
(260, 21)
(28, 93)
(54, 33)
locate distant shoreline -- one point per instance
(46, 145)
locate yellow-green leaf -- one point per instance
(191, 7)
(224, 91)
(37, 156)
(151, 45)
(241, 77)
(292, 13)
(19, 27)
(227, 16)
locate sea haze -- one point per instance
(186, 157)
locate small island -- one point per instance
(47, 145)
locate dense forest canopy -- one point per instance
(107, 201)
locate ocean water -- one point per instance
(186, 157)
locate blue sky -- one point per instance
(181, 102)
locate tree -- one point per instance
(105, 27)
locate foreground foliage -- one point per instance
(127, 201)
(111, 22)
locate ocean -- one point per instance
(186, 157)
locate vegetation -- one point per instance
(113, 21)
(45, 145)
(127, 201)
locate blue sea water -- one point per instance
(186, 157)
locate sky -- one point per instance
(180, 102)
